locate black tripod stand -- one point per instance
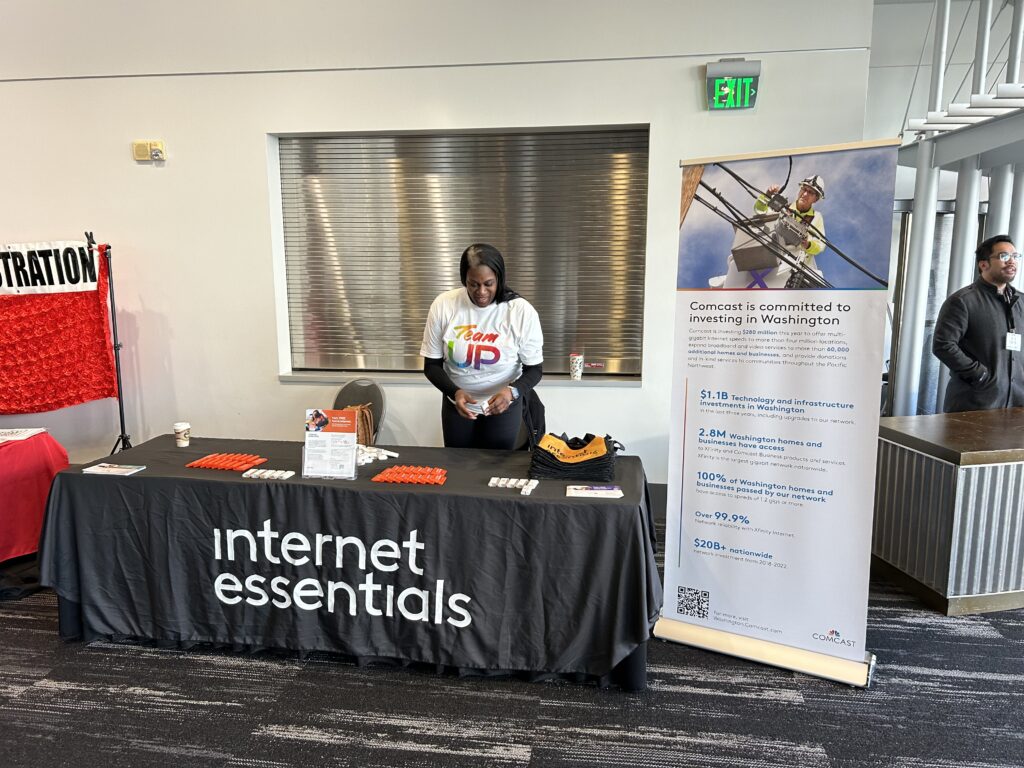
(124, 439)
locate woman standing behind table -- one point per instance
(483, 348)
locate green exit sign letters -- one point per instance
(732, 92)
(732, 84)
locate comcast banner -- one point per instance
(780, 311)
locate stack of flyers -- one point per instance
(20, 434)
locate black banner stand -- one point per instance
(124, 439)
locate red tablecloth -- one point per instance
(27, 468)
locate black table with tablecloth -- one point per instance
(461, 575)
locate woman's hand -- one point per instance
(461, 398)
(500, 402)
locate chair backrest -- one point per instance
(364, 391)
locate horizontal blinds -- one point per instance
(374, 227)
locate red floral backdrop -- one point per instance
(55, 349)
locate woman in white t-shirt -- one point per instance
(483, 348)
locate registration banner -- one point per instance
(55, 340)
(780, 311)
(61, 266)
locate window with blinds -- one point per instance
(374, 226)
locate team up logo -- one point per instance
(834, 637)
(478, 353)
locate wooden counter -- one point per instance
(949, 508)
(971, 437)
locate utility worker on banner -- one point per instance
(803, 241)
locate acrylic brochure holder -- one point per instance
(330, 450)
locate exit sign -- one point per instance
(732, 84)
(732, 92)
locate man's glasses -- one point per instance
(1005, 257)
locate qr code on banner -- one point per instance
(693, 602)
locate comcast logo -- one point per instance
(834, 637)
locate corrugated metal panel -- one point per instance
(374, 227)
(915, 496)
(988, 555)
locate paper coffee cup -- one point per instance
(182, 433)
(575, 366)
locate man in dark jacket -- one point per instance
(978, 334)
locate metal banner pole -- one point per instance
(124, 439)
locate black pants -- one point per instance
(497, 432)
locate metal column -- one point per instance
(922, 235)
(999, 193)
(981, 46)
(1003, 183)
(1016, 227)
(1016, 39)
(962, 266)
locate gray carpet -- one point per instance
(948, 692)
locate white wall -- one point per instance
(192, 239)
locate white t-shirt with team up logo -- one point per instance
(484, 348)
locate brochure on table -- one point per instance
(330, 449)
(114, 469)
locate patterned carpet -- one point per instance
(948, 693)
